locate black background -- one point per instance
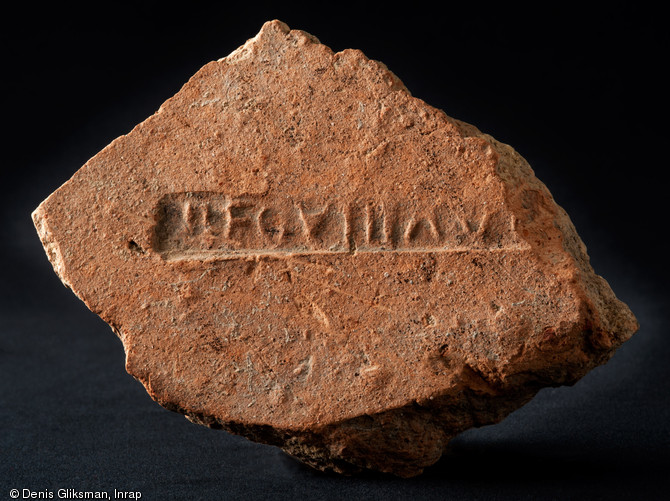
(580, 93)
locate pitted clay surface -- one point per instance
(295, 249)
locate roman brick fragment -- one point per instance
(295, 249)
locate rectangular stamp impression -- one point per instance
(210, 225)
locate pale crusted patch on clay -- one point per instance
(50, 245)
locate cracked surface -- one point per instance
(295, 249)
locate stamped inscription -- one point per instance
(205, 224)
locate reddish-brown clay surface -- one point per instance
(295, 249)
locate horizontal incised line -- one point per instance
(217, 254)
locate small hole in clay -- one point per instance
(134, 247)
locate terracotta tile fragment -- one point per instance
(295, 249)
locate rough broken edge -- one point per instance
(320, 448)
